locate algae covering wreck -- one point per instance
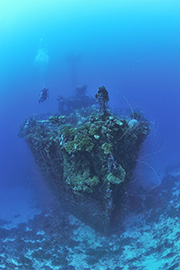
(87, 157)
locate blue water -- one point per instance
(131, 47)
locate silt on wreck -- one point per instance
(87, 158)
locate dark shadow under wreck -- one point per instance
(87, 158)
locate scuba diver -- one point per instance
(43, 95)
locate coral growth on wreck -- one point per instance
(90, 152)
(99, 151)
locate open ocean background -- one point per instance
(131, 47)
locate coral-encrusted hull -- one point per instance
(95, 209)
(87, 165)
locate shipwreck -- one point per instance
(87, 157)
